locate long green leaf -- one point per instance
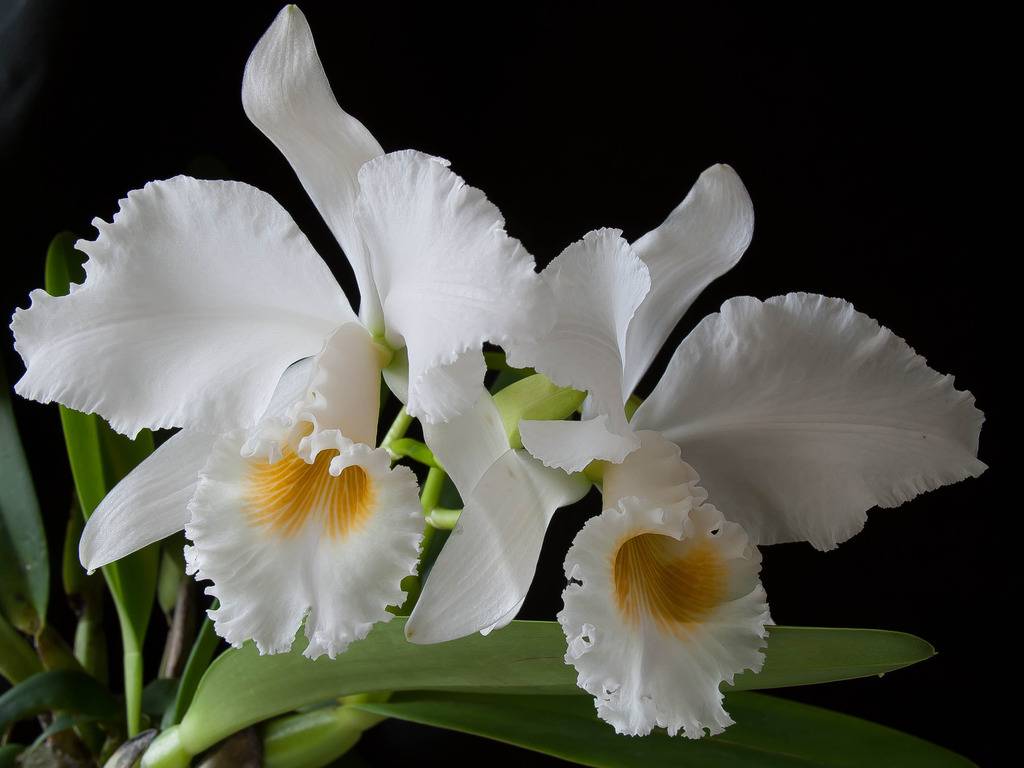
(9, 753)
(60, 689)
(17, 659)
(241, 687)
(769, 732)
(99, 458)
(24, 564)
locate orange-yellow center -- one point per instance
(283, 496)
(675, 584)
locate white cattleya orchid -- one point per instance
(799, 413)
(205, 308)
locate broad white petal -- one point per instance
(484, 571)
(329, 530)
(801, 413)
(149, 504)
(448, 275)
(197, 297)
(572, 445)
(286, 95)
(663, 606)
(597, 284)
(701, 240)
(469, 444)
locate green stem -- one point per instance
(397, 429)
(443, 519)
(430, 494)
(199, 659)
(406, 447)
(132, 683)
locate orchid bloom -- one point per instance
(204, 307)
(799, 413)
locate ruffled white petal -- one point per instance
(197, 297)
(597, 284)
(654, 472)
(344, 392)
(663, 606)
(335, 554)
(448, 276)
(286, 95)
(149, 504)
(572, 445)
(485, 569)
(469, 444)
(801, 413)
(701, 240)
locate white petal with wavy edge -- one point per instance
(654, 472)
(328, 532)
(702, 239)
(286, 94)
(597, 284)
(485, 569)
(197, 297)
(448, 275)
(149, 504)
(469, 444)
(663, 605)
(344, 390)
(801, 413)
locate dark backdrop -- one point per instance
(863, 140)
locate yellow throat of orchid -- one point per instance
(675, 584)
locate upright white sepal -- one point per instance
(702, 239)
(286, 94)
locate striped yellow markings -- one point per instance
(674, 583)
(284, 496)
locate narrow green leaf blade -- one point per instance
(769, 732)
(24, 562)
(241, 688)
(99, 458)
(807, 655)
(61, 689)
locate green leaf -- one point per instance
(9, 753)
(768, 732)
(24, 565)
(807, 655)
(17, 659)
(158, 696)
(241, 687)
(62, 689)
(99, 458)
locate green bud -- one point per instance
(535, 398)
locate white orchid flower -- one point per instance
(799, 413)
(202, 298)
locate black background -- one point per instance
(865, 141)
